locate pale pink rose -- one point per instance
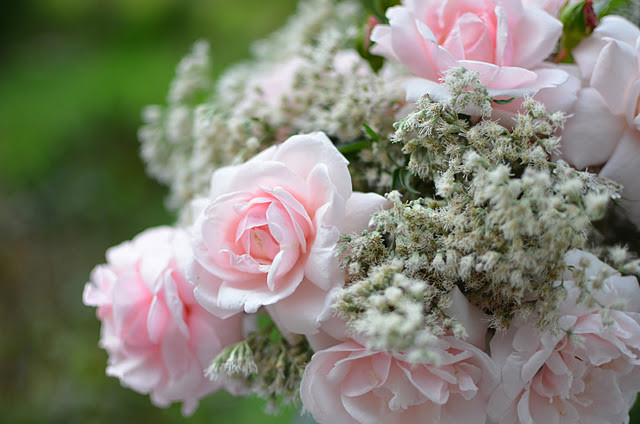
(159, 339)
(268, 236)
(346, 383)
(504, 41)
(350, 384)
(605, 129)
(592, 378)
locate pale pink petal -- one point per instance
(419, 87)
(472, 319)
(586, 55)
(206, 291)
(381, 35)
(322, 267)
(619, 59)
(584, 144)
(623, 168)
(618, 28)
(470, 39)
(254, 295)
(632, 110)
(414, 44)
(501, 77)
(98, 292)
(503, 40)
(300, 312)
(176, 353)
(324, 197)
(359, 209)
(136, 373)
(536, 36)
(559, 92)
(301, 153)
(250, 177)
(157, 318)
(175, 304)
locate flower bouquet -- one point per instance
(422, 211)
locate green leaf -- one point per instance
(405, 179)
(395, 180)
(604, 9)
(378, 8)
(503, 101)
(372, 134)
(354, 147)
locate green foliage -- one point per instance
(378, 8)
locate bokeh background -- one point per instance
(74, 76)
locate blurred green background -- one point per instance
(74, 76)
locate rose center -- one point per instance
(262, 245)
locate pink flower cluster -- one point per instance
(266, 237)
(587, 374)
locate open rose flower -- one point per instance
(591, 377)
(159, 339)
(609, 62)
(268, 235)
(349, 384)
(502, 40)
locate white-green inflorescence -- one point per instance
(265, 364)
(499, 225)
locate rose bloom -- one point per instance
(502, 40)
(159, 339)
(604, 131)
(349, 384)
(591, 377)
(346, 383)
(268, 235)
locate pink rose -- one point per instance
(346, 383)
(605, 129)
(502, 40)
(159, 339)
(591, 377)
(268, 236)
(349, 384)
